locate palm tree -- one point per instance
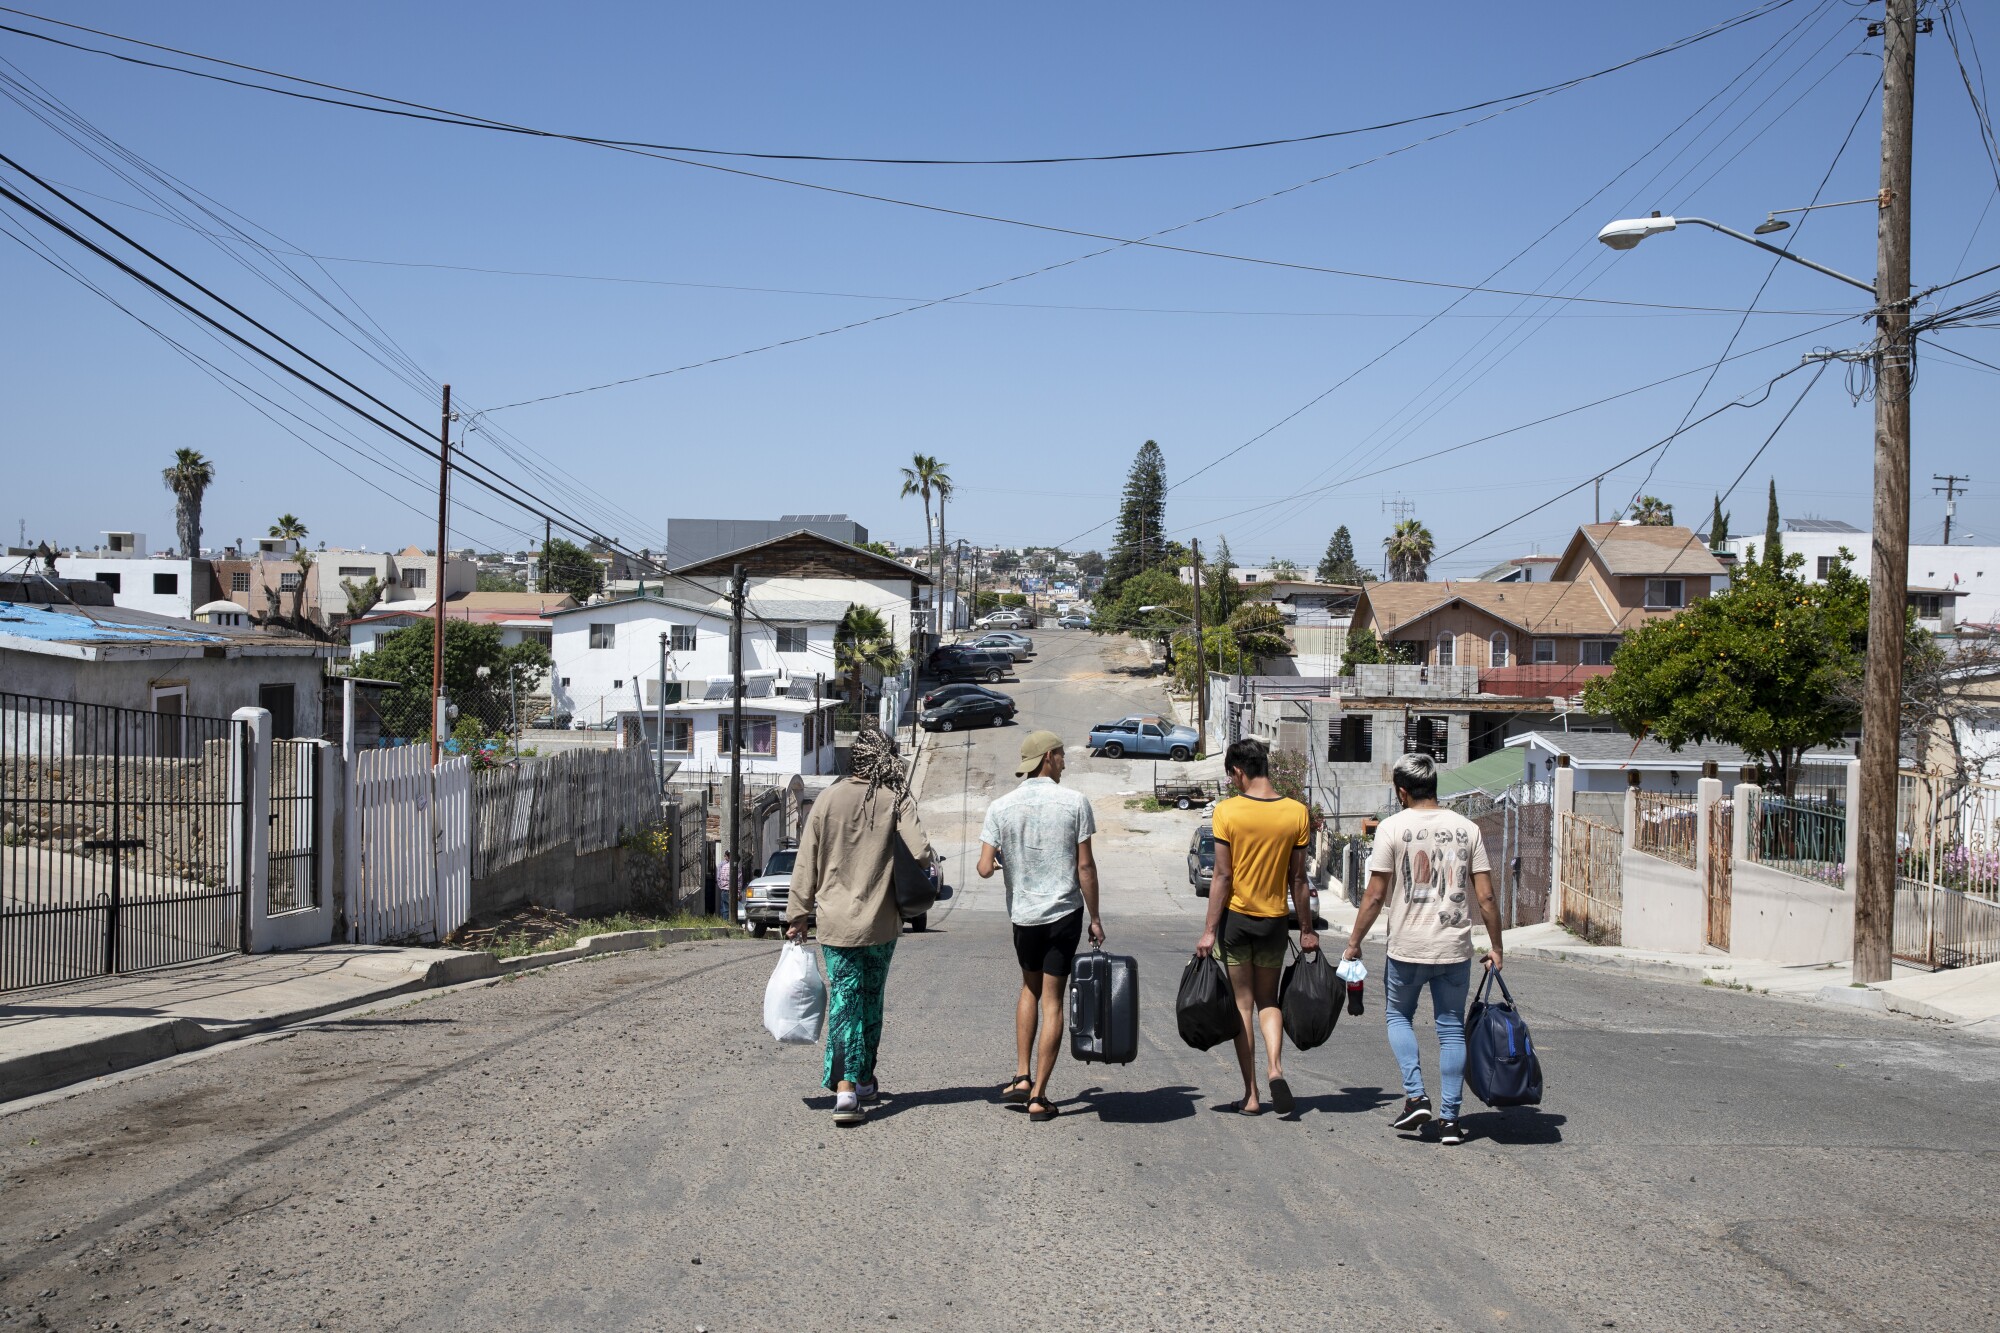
(861, 643)
(289, 527)
(1409, 548)
(1653, 512)
(927, 477)
(188, 479)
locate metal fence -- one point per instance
(1666, 826)
(1948, 833)
(1518, 845)
(293, 883)
(1805, 836)
(1593, 878)
(1940, 928)
(117, 831)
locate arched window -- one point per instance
(1500, 648)
(1445, 644)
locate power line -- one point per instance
(432, 112)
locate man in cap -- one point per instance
(1039, 835)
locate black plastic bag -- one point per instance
(1501, 1066)
(1206, 1007)
(1310, 997)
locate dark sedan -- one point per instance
(965, 689)
(970, 710)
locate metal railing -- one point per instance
(1805, 836)
(1666, 826)
(1942, 928)
(1948, 833)
(1593, 878)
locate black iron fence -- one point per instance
(116, 833)
(293, 884)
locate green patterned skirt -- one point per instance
(855, 980)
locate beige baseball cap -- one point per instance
(1033, 747)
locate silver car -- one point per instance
(1010, 644)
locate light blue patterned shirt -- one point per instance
(1037, 828)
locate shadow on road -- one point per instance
(895, 1102)
(1348, 1101)
(1153, 1106)
(1516, 1125)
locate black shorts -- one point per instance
(1049, 948)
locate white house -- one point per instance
(1971, 572)
(782, 732)
(607, 655)
(805, 566)
(160, 585)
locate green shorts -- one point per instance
(1254, 941)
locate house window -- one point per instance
(1930, 606)
(1545, 652)
(680, 735)
(1597, 652)
(617, 684)
(1825, 565)
(565, 682)
(1500, 648)
(1428, 735)
(1350, 740)
(760, 734)
(1446, 644)
(114, 582)
(356, 572)
(1666, 593)
(290, 582)
(603, 636)
(682, 638)
(791, 638)
(166, 585)
(239, 582)
(415, 578)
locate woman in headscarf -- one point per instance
(845, 872)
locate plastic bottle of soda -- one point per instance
(1354, 997)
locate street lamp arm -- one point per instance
(1780, 251)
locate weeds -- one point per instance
(540, 930)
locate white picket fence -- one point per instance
(409, 870)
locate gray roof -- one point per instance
(1614, 749)
(1815, 525)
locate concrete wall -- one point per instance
(215, 687)
(1665, 906)
(1781, 918)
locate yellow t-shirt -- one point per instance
(1262, 834)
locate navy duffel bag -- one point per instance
(1501, 1067)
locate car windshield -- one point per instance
(781, 862)
(1208, 849)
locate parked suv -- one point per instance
(972, 664)
(764, 900)
(1201, 859)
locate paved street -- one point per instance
(617, 1144)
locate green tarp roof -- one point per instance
(1493, 774)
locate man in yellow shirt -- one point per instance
(1260, 886)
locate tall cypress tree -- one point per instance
(1774, 545)
(1718, 527)
(1221, 591)
(1141, 543)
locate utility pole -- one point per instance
(548, 535)
(1597, 499)
(437, 579)
(1200, 652)
(660, 739)
(1889, 568)
(735, 743)
(1953, 484)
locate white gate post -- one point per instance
(1747, 796)
(250, 842)
(1852, 851)
(1708, 792)
(1562, 803)
(350, 819)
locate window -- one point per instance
(1930, 606)
(1597, 652)
(603, 636)
(1825, 565)
(281, 700)
(565, 681)
(290, 582)
(1545, 652)
(1350, 740)
(680, 735)
(791, 638)
(618, 684)
(1500, 648)
(683, 638)
(1666, 592)
(1446, 646)
(239, 582)
(356, 572)
(760, 734)
(112, 581)
(674, 695)
(1428, 735)
(166, 585)
(416, 578)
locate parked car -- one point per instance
(1073, 621)
(764, 898)
(973, 664)
(1005, 618)
(1012, 636)
(968, 710)
(946, 692)
(1201, 859)
(550, 722)
(1145, 737)
(1000, 643)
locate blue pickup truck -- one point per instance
(1144, 737)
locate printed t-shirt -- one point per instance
(1262, 834)
(1430, 856)
(1037, 828)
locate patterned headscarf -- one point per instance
(875, 761)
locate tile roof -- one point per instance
(1534, 608)
(1638, 548)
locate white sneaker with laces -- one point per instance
(847, 1108)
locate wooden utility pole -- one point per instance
(1953, 484)
(437, 579)
(1889, 566)
(735, 744)
(1200, 653)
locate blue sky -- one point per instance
(1038, 396)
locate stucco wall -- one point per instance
(1782, 918)
(1665, 905)
(216, 687)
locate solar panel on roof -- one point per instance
(1818, 525)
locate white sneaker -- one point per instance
(847, 1109)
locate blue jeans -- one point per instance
(1402, 988)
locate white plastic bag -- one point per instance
(1352, 970)
(795, 999)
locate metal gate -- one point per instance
(1721, 865)
(293, 881)
(1517, 845)
(117, 830)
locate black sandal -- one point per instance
(1281, 1096)
(1018, 1090)
(1048, 1111)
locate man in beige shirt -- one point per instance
(846, 873)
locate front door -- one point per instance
(279, 699)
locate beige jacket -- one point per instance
(845, 869)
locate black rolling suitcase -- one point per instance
(1104, 1008)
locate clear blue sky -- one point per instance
(1037, 403)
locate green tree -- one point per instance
(1141, 540)
(1005, 562)
(1718, 527)
(1172, 600)
(567, 567)
(492, 580)
(1766, 665)
(289, 527)
(1774, 544)
(1338, 565)
(1363, 648)
(405, 657)
(1653, 512)
(1281, 568)
(1410, 548)
(880, 548)
(925, 477)
(361, 597)
(189, 479)
(1220, 592)
(1090, 564)
(1250, 635)
(861, 644)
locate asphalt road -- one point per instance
(617, 1144)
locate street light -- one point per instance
(1628, 232)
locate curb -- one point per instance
(591, 945)
(1649, 967)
